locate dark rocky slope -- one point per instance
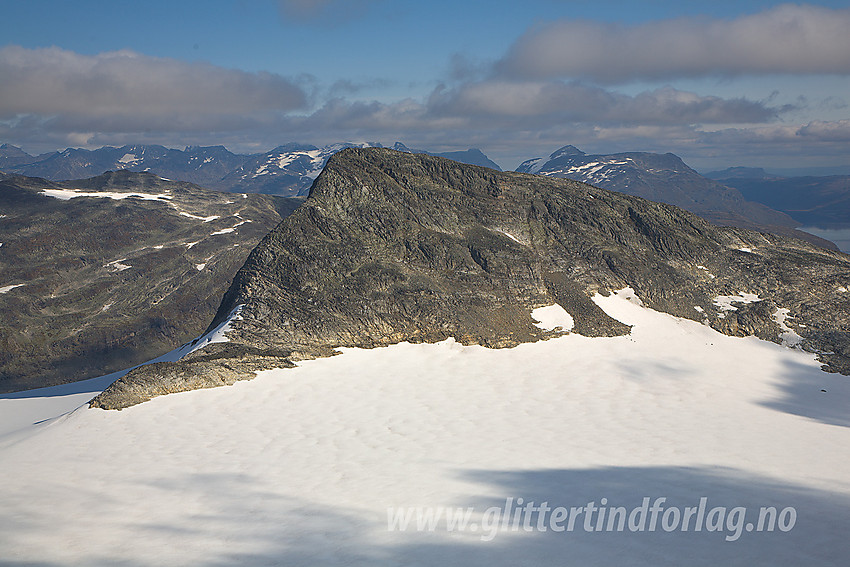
(392, 247)
(104, 283)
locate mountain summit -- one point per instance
(393, 247)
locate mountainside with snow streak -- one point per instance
(100, 274)
(665, 178)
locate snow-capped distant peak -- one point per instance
(533, 165)
(303, 161)
(566, 151)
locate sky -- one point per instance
(722, 83)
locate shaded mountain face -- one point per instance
(10, 156)
(287, 170)
(101, 274)
(739, 173)
(394, 247)
(812, 201)
(665, 178)
(472, 156)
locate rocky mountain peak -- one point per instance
(394, 247)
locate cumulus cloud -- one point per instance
(573, 102)
(52, 98)
(785, 39)
(837, 131)
(510, 108)
(802, 138)
(123, 90)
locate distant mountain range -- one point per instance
(665, 178)
(740, 173)
(740, 196)
(822, 202)
(111, 271)
(287, 170)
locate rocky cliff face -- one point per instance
(396, 247)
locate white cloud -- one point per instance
(553, 100)
(123, 90)
(837, 131)
(795, 39)
(53, 98)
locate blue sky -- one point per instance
(722, 83)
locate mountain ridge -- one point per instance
(287, 170)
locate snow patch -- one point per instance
(789, 337)
(231, 229)
(200, 267)
(205, 219)
(724, 302)
(509, 235)
(552, 317)
(628, 294)
(8, 288)
(217, 335)
(535, 165)
(68, 194)
(117, 266)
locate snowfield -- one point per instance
(304, 466)
(68, 194)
